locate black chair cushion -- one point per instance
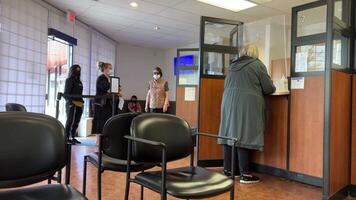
(114, 164)
(46, 192)
(188, 182)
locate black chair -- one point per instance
(32, 148)
(112, 150)
(163, 138)
(15, 107)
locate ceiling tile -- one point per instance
(183, 16)
(165, 2)
(163, 21)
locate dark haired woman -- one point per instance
(157, 99)
(74, 106)
(103, 106)
(133, 105)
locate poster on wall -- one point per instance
(189, 94)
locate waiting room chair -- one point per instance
(32, 148)
(112, 150)
(164, 138)
(15, 107)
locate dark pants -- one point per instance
(242, 159)
(74, 114)
(101, 115)
(156, 110)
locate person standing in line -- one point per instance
(243, 110)
(157, 99)
(103, 106)
(74, 105)
(133, 105)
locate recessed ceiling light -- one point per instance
(233, 5)
(134, 4)
(156, 28)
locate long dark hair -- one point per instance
(72, 73)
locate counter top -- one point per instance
(281, 93)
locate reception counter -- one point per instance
(276, 133)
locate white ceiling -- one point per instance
(178, 19)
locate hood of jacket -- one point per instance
(241, 63)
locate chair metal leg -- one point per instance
(99, 184)
(84, 175)
(127, 189)
(142, 189)
(232, 194)
(49, 181)
(59, 176)
(164, 196)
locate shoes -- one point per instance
(228, 173)
(73, 141)
(248, 179)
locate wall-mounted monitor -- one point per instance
(186, 61)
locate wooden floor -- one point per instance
(113, 184)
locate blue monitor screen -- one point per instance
(183, 61)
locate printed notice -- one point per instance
(189, 94)
(301, 64)
(115, 85)
(297, 83)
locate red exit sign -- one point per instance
(71, 17)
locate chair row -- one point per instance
(130, 143)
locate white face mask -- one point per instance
(110, 72)
(156, 77)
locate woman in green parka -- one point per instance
(243, 110)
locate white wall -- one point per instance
(134, 67)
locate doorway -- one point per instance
(59, 59)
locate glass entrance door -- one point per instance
(59, 60)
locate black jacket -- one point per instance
(73, 86)
(102, 89)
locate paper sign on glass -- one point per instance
(189, 94)
(297, 83)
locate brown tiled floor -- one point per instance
(270, 188)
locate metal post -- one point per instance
(113, 104)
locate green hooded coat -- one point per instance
(243, 105)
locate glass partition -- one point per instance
(310, 58)
(219, 45)
(342, 11)
(311, 21)
(341, 54)
(220, 34)
(186, 67)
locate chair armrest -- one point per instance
(145, 141)
(216, 136)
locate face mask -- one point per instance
(156, 76)
(110, 73)
(76, 73)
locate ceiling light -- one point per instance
(156, 28)
(134, 4)
(233, 5)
